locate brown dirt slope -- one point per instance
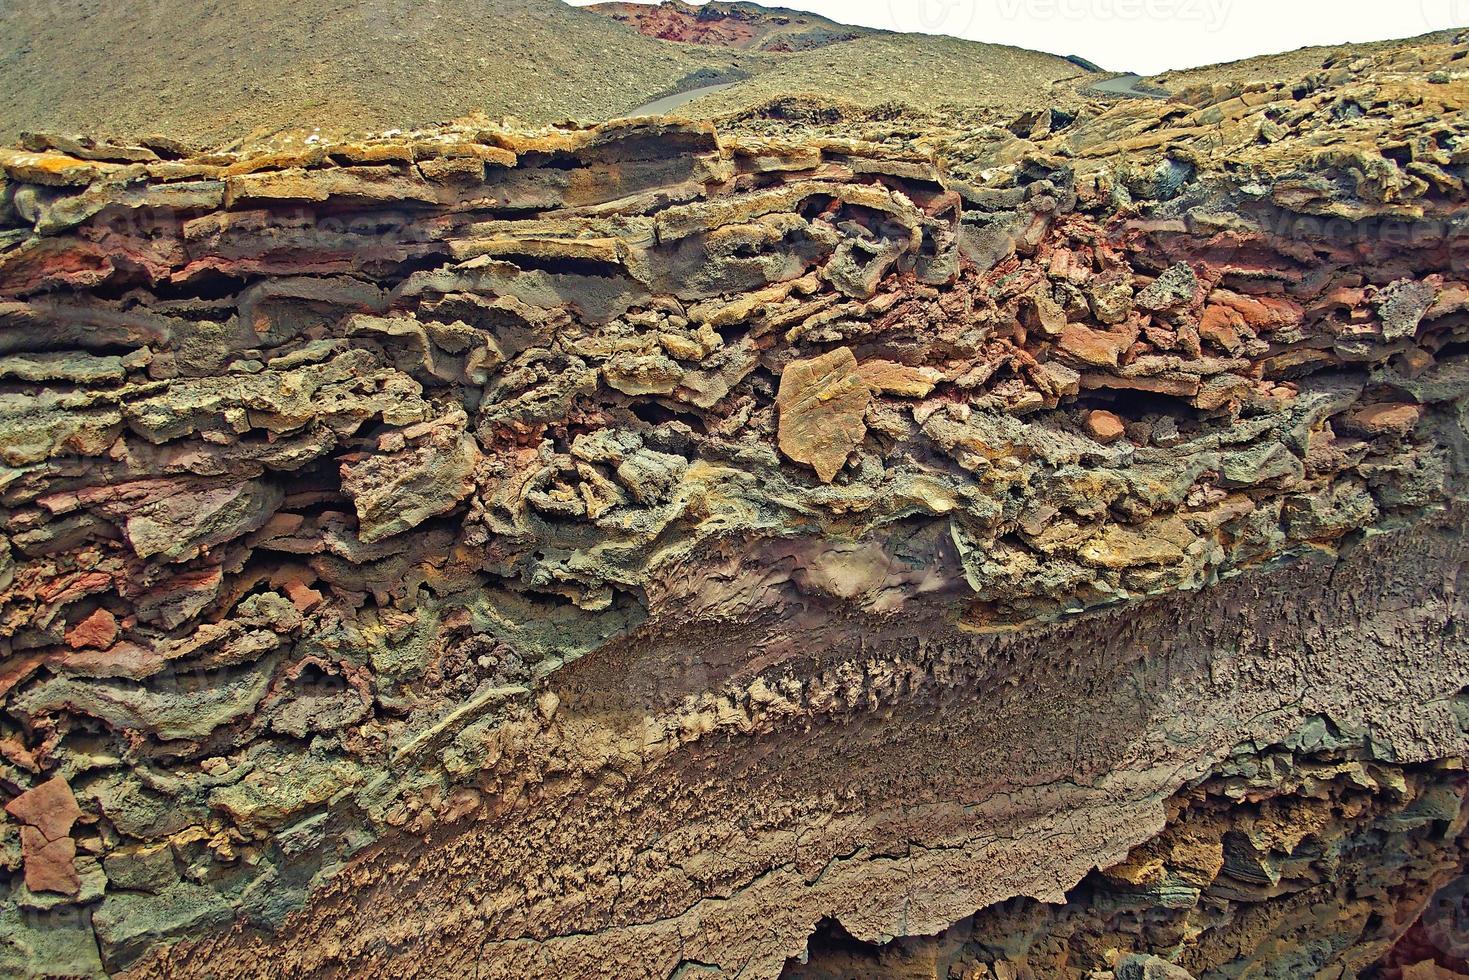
(922, 71)
(213, 71)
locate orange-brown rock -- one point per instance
(890, 378)
(1385, 418)
(1093, 348)
(50, 808)
(98, 630)
(1105, 427)
(47, 814)
(822, 403)
(1220, 326)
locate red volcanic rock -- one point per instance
(302, 596)
(98, 630)
(729, 25)
(1105, 427)
(1395, 418)
(50, 865)
(680, 22)
(1221, 326)
(1092, 347)
(48, 813)
(50, 808)
(1261, 313)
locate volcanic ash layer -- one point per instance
(647, 550)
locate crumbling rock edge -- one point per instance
(973, 770)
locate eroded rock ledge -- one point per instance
(519, 553)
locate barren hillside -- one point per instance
(911, 69)
(214, 71)
(1289, 64)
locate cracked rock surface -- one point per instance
(665, 549)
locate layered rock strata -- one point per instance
(630, 550)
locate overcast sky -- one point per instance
(1150, 36)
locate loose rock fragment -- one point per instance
(1175, 287)
(1105, 427)
(822, 404)
(47, 814)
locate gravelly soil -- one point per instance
(216, 70)
(1289, 64)
(919, 70)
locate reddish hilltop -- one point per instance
(730, 25)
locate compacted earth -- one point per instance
(242, 73)
(823, 538)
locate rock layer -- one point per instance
(624, 549)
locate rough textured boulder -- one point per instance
(658, 550)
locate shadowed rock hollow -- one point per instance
(775, 547)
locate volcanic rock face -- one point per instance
(632, 550)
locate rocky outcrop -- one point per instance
(731, 25)
(639, 544)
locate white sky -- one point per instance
(1149, 36)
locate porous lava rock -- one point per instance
(661, 548)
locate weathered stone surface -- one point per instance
(1402, 305)
(888, 378)
(1111, 298)
(1174, 288)
(396, 492)
(1238, 844)
(822, 404)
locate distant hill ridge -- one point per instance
(737, 25)
(252, 69)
